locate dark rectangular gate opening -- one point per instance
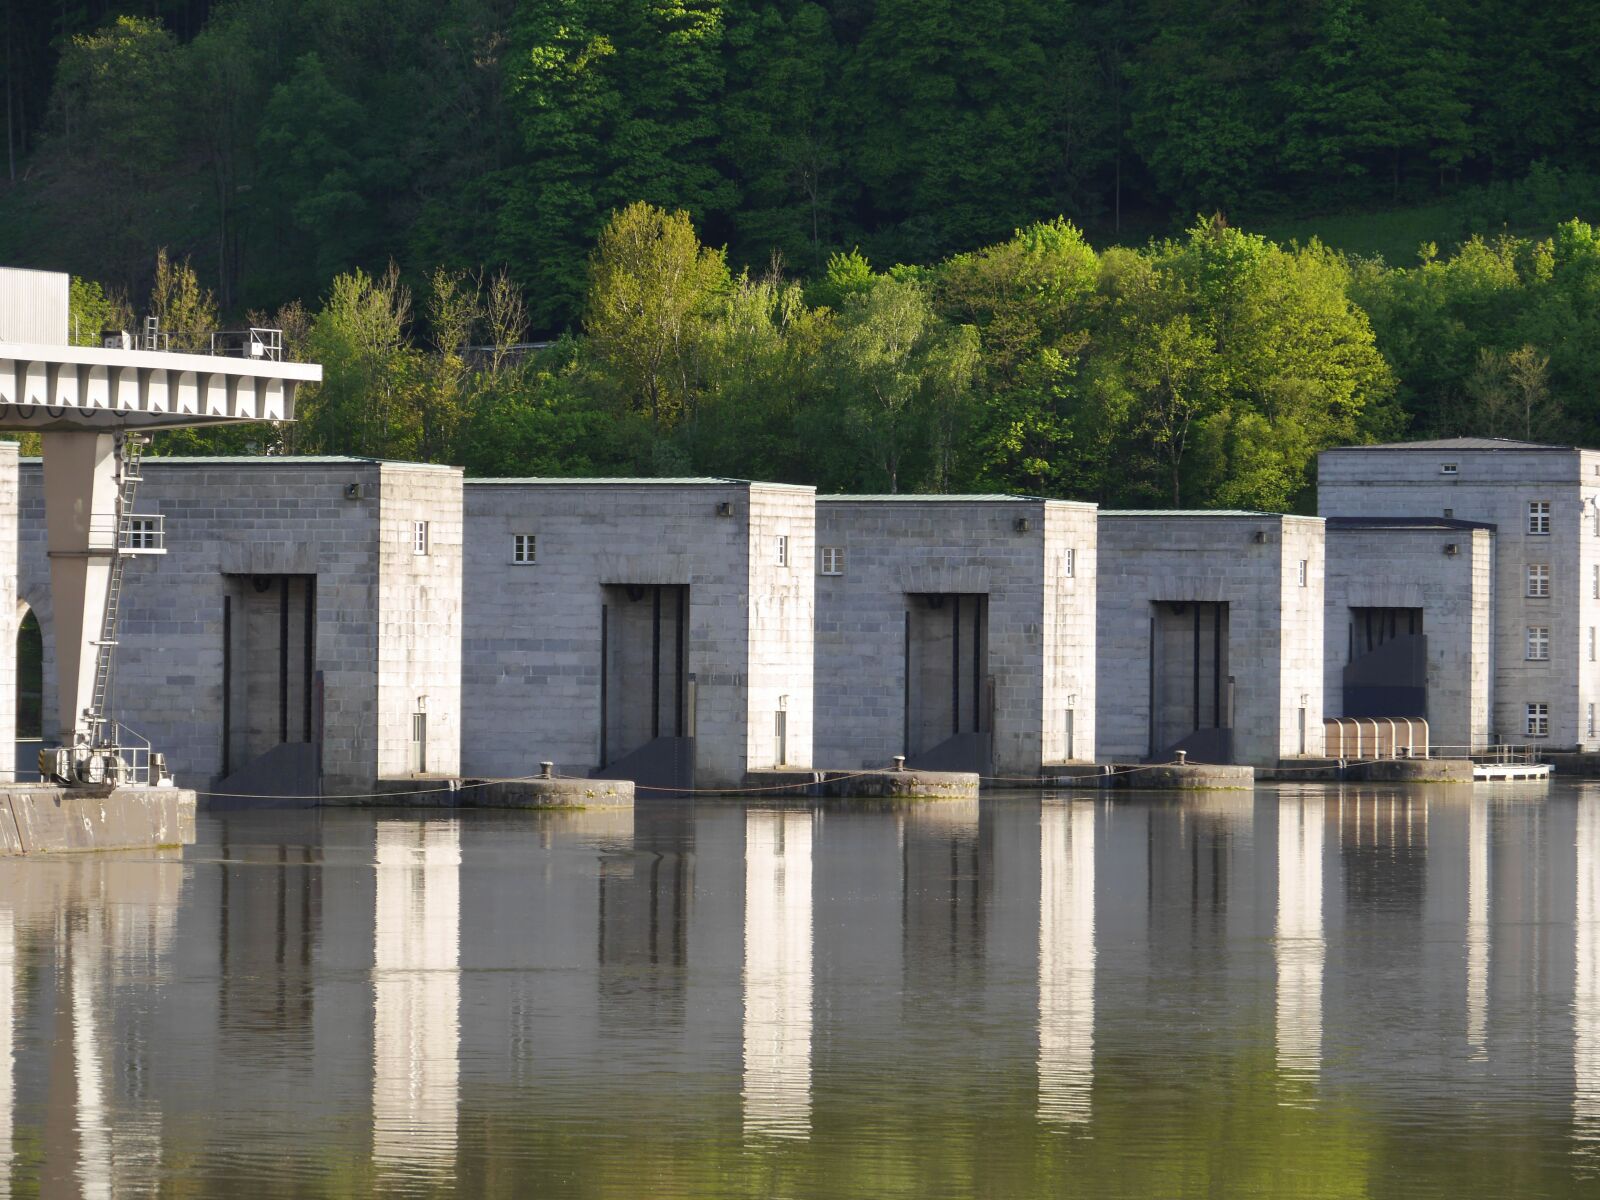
(949, 695)
(1191, 689)
(1386, 669)
(646, 699)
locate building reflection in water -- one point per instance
(1300, 946)
(8, 1022)
(777, 974)
(1066, 961)
(112, 926)
(1478, 926)
(1586, 984)
(1383, 839)
(416, 984)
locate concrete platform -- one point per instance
(1144, 777)
(899, 785)
(457, 792)
(1387, 770)
(42, 819)
(1585, 765)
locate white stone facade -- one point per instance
(1445, 570)
(1033, 563)
(385, 620)
(10, 610)
(533, 669)
(1544, 502)
(1251, 562)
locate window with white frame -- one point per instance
(1303, 572)
(524, 547)
(1539, 580)
(1069, 563)
(1538, 719)
(1447, 468)
(1591, 643)
(419, 537)
(783, 550)
(833, 560)
(1597, 520)
(144, 533)
(1538, 643)
(1597, 582)
(1539, 516)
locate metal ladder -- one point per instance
(130, 450)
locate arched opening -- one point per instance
(30, 678)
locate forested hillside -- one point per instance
(929, 245)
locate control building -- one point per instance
(1542, 506)
(955, 630)
(658, 630)
(297, 628)
(1210, 636)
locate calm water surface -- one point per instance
(1305, 991)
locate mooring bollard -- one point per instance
(547, 770)
(1183, 757)
(899, 762)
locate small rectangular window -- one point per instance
(1538, 643)
(1303, 572)
(1069, 563)
(783, 550)
(1591, 643)
(419, 537)
(780, 738)
(1447, 468)
(523, 548)
(1597, 520)
(144, 533)
(1539, 516)
(1538, 719)
(1539, 580)
(833, 560)
(1597, 581)
(1449, 512)
(1591, 721)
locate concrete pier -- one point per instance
(447, 792)
(43, 819)
(903, 785)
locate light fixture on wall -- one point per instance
(422, 704)
(724, 508)
(1259, 537)
(1022, 525)
(1452, 549)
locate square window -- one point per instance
(1538, 719)
(1447, 468)
(1539, 580)
(419, 537)
(833, 560)
(783, 550)
(1538, 643)
(1539, 516)
(523, 548)
(144, 533)
(1069, 563)
(1303, 572)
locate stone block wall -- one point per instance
(262, 516)
(1275, 626)
(1495, 486)
(1039, 638)
(532, 653)
(1391, 566)
(10, 610)
(419, 618)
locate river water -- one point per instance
(1304, 991)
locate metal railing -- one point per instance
(142, 533)
(254, 342)
(120, 757)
